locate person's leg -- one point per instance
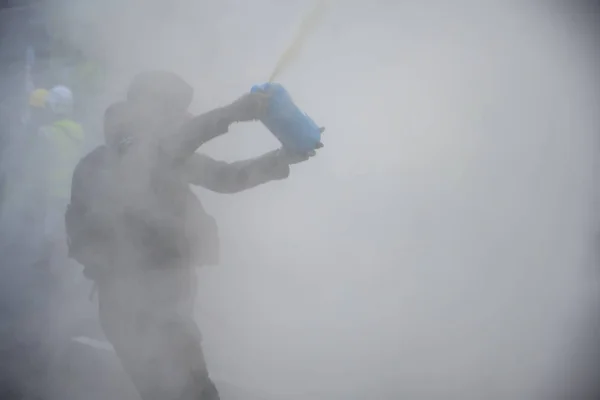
(186, 352)
(159, 350)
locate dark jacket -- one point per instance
(166, 225)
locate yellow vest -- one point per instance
(66, 139)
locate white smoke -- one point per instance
(439, 245)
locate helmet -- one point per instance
(60, 100)
(164, 87)
(38, 98)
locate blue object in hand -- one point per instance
(295, 130)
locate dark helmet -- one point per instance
(166, 88)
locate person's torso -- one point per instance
(157, 218)
(158, 221)
(65, 141)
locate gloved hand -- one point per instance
(249, 107)
(290, 158)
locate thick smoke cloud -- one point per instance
(439, 245)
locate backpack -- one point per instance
(90, 234)
(176, 229)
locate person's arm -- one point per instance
(202, 128)
(197, 131)
(223, 177)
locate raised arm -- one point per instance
(223, 177)
(202, 128)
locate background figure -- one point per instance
(39, 114)
(63, 141)
(28, 177)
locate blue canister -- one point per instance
(295, 130)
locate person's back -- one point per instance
(126, 226)
(161, 222)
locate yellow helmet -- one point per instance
(38, 97)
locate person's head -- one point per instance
(160, 96)
(39, 110)
(60, 101)
(37, 98)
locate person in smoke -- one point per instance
(139, 230)
(29, 179)
(39, 112)
(62, 140)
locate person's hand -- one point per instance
(291, 158)
(251, 106)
